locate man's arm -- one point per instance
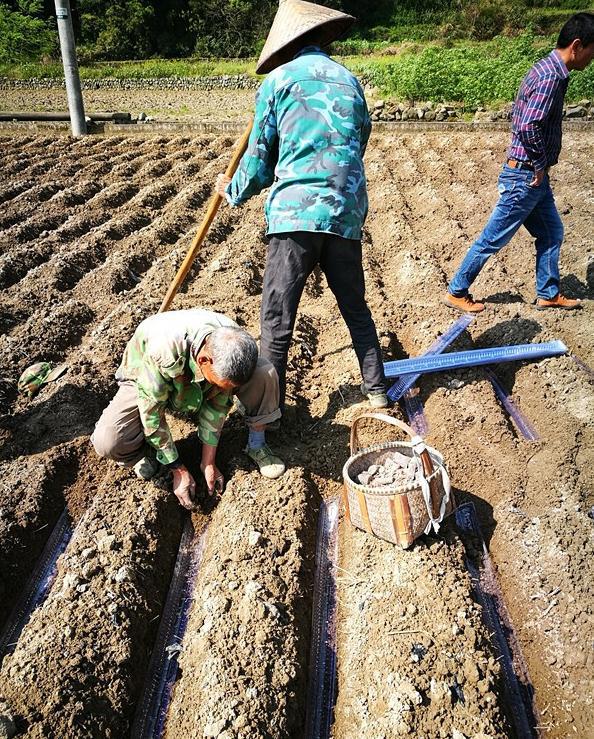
(153, 391)
(529, 131)
(211, 418)
(208, 466)
(256, 168)
(365, 133)
(212, 415)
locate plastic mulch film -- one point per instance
(321, 693)
(38, 586)
(524, 426)
(518, 691)
(151, 713)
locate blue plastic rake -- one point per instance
(473, 358)
(399, 389)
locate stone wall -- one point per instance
(382, 110)
(385, 110)
(229, 81)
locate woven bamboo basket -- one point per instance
(399, 514)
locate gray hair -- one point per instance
(234, 354)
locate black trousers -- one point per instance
(291, 259)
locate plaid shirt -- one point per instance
(538, 111)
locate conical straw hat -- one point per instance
(293, 19)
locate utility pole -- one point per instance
(73, 91)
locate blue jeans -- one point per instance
(519, 204)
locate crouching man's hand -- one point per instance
(184, 486)
(214, 479)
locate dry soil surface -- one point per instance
(162, 103)
(91, 233)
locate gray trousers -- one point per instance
(119, 435)
(291, 259)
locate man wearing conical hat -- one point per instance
(311, 127)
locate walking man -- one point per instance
(525, 195)
(190, 361)
(311, 127)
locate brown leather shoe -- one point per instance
(559, 301)
(465, 303)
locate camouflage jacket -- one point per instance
(160, 359)
(311, 127)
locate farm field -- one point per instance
(166, 105)
(91, 234)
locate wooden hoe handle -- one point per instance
(213, 207)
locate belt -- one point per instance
(515, 164)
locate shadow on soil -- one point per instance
(505, 298)
(68, 413)
(508, 333)
(484, 511)
(573, 287)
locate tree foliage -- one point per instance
(233, 28)
(140, 29)
(24, 35)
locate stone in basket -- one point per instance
(417, 495)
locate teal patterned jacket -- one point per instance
(311, 127)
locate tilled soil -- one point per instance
(409, 626)
(92, 233)
(162, 103)
(83, 654)
(242, 663)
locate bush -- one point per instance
(126, 32)
(547, 22)
(352, 47)
(471, 74)
(489, 21)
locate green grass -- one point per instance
(466, 72)
(150, 68)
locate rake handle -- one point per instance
(211, 212)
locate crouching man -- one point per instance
(191, 361)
